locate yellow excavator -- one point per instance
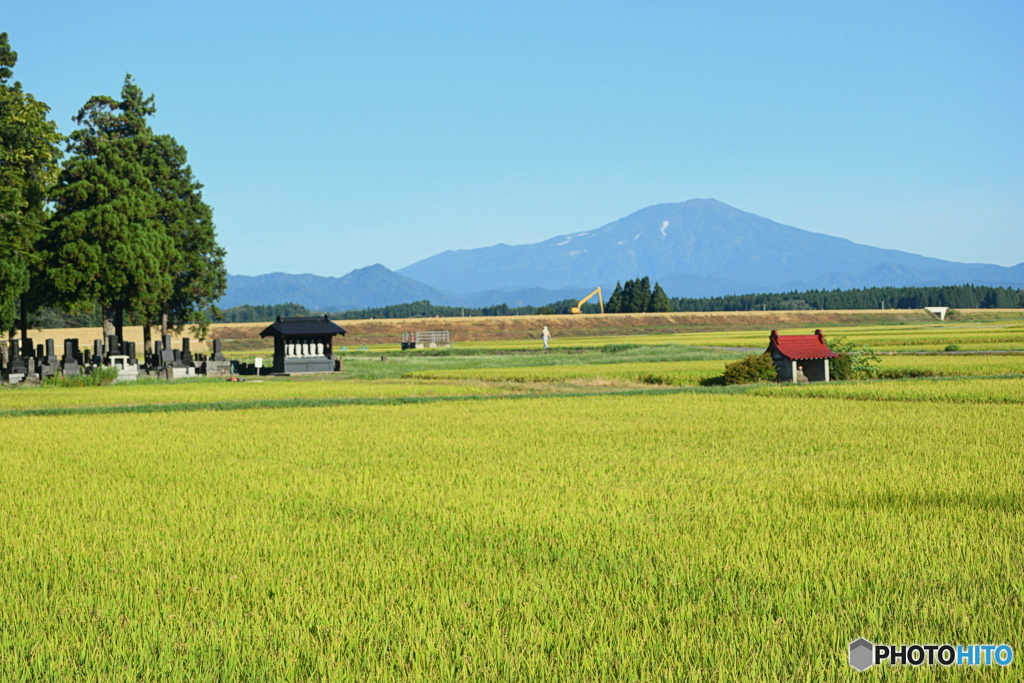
(578, 308)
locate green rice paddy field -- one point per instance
(530, 516)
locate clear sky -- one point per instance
(334, 135)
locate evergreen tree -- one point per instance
(642, 294)
(614, 304)
(197, 262)
(629, 297)
(107, 244)
(660, 302)
(132, 231)
(636, 295)
(29, 164)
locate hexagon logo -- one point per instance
(862, 654)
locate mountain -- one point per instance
(697, 248)
(701, 247)
(363, 288)
(369, 287)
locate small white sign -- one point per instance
(258, 362)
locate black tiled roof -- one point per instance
(302, 326)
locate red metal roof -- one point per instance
(801, 346)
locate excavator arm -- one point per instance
(578, 308)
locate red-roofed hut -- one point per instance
(800, 357)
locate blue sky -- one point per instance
(335, 135)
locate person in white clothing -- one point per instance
(545, 335)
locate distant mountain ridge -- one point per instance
(362, 288)
(701, 247)
(696, 248)
(371, 287)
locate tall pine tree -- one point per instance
(629, 297)
(107, 245)
(132, 231)
(29, 163)
(659, 303)
(642, 295)
(197, 264)
(614, 304)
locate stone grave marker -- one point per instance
(217, 365)
(70, 365)
(48, 361)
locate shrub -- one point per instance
(863, 361)
(841, 368)
(952, 347)
(753, 368)
(100, 376)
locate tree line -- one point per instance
(953, 296)
(119, 226)
(425, 309)
(637, 296)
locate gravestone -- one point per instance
(153, 362)
(131, 350)
(24, 361)
(48, 361)
(70, 362)
(17, 366)
(126, 371)
(28, 357)
(167, 355)
(71, 350)
(186, 352)
(217, 365)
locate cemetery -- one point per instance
(302, 345)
